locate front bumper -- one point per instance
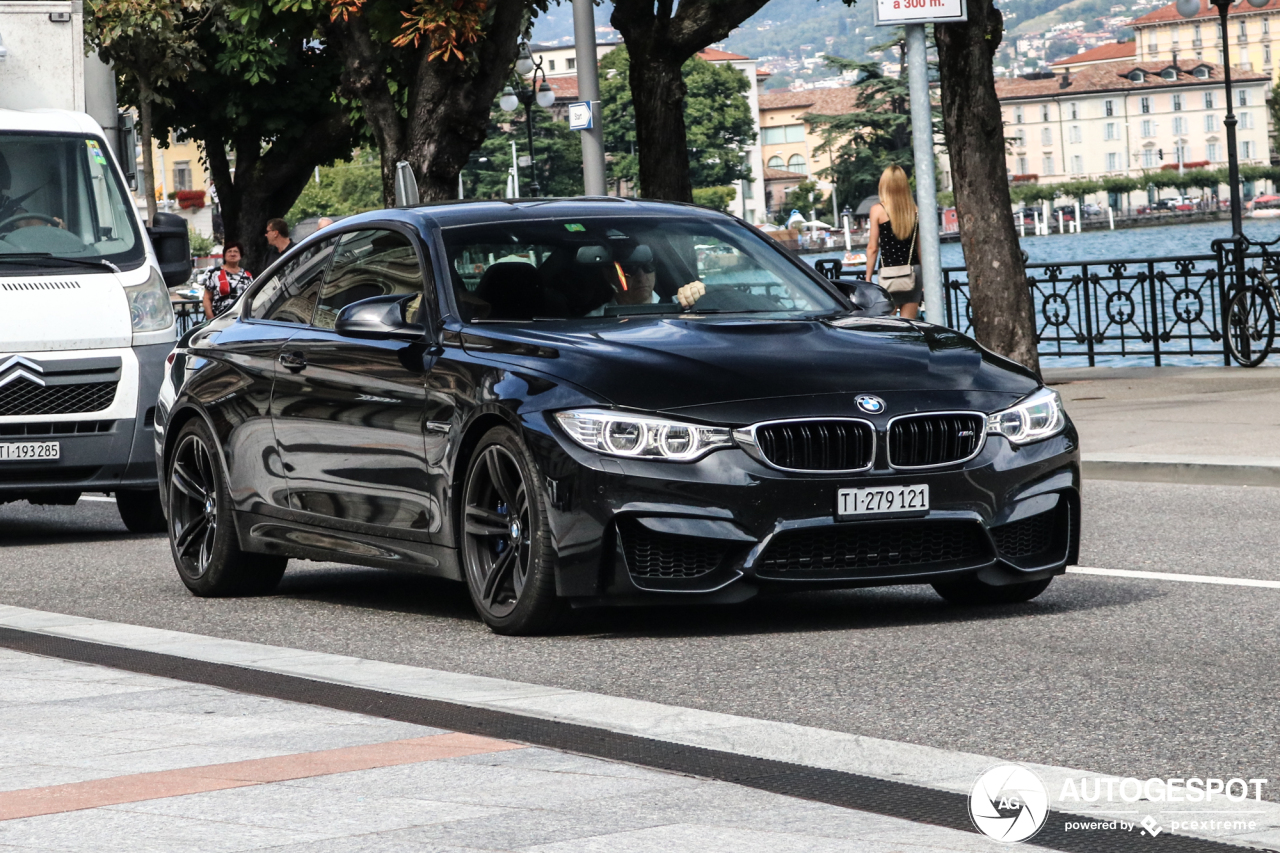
(728, 527)
(102, 451)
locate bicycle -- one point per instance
(1251, 322)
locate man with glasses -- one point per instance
(633, 283)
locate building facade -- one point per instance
(789, 142)
(1161, 34)
(1127, 118)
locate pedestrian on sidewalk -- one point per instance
(895, 246)
(224, 283)
(278, 241)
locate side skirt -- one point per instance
(270, 535)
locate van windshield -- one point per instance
(60, 198)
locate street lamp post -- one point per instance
(1190, 9)
(528, 95)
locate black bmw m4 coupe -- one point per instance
(566, 403)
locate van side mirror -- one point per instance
(869, 299)
(127, 149)
(379, 318)
(172, 242)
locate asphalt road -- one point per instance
(1132, 677)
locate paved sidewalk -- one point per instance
(1210, 425)
(95, 759)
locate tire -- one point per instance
(507, 556)
(202, 533)
(1251, 326)
(971, 591)
(141, 511)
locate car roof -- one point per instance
(475, 212)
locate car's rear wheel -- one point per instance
(506, 549)
(140, 510)
(974, 591)
(202, 534)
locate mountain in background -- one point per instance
(796, 30)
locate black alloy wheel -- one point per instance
(971, 591)
(1251, 326)
(506, 552)
(202, 535)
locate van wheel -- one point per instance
(140, 510)
(202, 534)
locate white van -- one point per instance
(85, 318)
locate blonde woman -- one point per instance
(893, 236)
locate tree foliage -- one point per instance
(424, 74)
(263, 106)
(152, 43)
(719, 126)
(343, 189)
(716, 198)
(557, 156)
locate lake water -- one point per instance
(1136, 243)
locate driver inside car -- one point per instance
(11, 209)
(633, 283)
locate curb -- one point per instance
(1187, 470)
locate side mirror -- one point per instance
(127, 149)
(869, 299)
(172, 242)
(378, 318)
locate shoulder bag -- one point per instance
(900, 279)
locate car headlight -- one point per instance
(149, 306)
(638, 436)
(1037, 417)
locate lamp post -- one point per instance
(528, 95)
(1190, 9)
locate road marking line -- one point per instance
(134, 788)
(1173, 576)
(106, 498)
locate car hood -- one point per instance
(713, 367)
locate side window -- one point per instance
(369, 263)
(290, 295)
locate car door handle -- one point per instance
(294, 361)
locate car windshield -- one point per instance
(600, 267)
(61, 198)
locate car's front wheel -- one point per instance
(202, 534)
(506, 548)
(974, 591)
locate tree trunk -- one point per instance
(449, 100)
(148, 173)
(1001, 300)
(658, 92)
(266, 183)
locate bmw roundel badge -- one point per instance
(870, 404)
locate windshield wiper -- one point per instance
(19, 257)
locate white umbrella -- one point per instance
(816, 224)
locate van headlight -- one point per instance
(1036, 417)
(640, 436)
(149, 306)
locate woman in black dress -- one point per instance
(893, 236)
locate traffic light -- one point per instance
(1160, 151)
